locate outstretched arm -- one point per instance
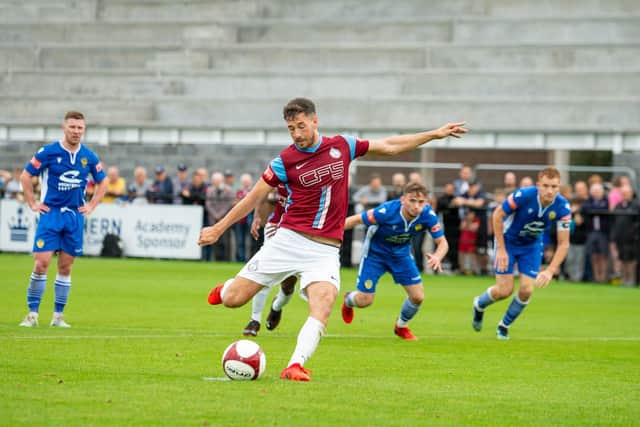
(210, 235)
(400, 143)
(352, 221)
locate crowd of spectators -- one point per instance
(605, 235)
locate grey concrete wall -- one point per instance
(361, 85)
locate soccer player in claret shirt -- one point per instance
(519, 224)
(387, 247)
(315, 171)
(64, 167)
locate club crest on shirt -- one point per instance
(59, 159)
(418, 227)
(335, 153)
(84, 162)
(552, 215)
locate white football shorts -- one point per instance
(289, 253)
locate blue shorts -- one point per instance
(60, 228)
(527, 257)
(402, 269)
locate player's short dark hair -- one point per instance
(297, 106)
(415, 187)
(77, 115)
(549, 172)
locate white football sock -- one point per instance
(308, 340)
(281, 300)
(258, 303)
(225, 287)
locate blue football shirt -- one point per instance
(64, 174)
(389, 233)
(526, 220)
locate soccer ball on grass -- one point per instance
(244, 360)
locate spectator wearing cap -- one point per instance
(116, 186)
(180, 182)
(161, 190)
(229, 179)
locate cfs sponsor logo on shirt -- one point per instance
(335, 170)
(69, 180)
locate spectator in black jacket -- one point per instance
(448, 207)
(625, 233)
(596, 213)
(576, 257)
(161, 191)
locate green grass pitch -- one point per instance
(143, 339)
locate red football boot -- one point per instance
(296, 372)
(347, 312)
(214, 296)
(404, 333)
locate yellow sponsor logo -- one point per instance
(40, 243)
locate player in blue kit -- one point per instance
(519, 224)
(387, 247)
(63, 167)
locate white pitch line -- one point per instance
(338, 336)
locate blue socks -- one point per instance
(485, 300)
(63, 286)
(514, 310)
(35, 290)
(407, 312)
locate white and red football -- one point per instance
(244, 360)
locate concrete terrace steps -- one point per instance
(620, 30)
(13, 11)
(368, 85)
(319, 57)
(119, 10)
(614, 114)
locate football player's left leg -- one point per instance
(519, 301)
(410, 307)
